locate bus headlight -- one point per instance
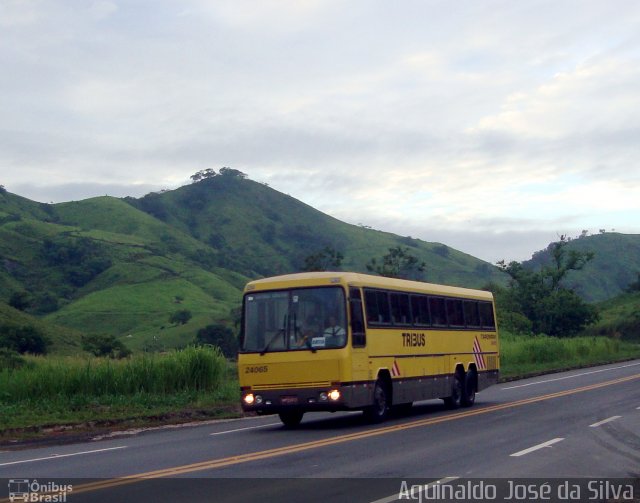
(334, 395)
(249, 399)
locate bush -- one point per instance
(180, 317)
(79, 259)
(105, 345)
(23, 339)
(220, 336)
(514, 322)
(20, 301)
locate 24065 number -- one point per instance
(256, 369)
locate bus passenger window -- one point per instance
(454, 313)
(471, 316)
(400, 310)
(377, 304)
(420, 310)
(438, 314)
(486, 315)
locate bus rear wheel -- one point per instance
(457, 388)
(291, 419)
(379, 410)
(469, 391)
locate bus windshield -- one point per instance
(294, 320)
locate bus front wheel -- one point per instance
(292, 418)
(379, 410)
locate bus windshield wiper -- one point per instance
(282, 332)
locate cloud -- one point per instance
(489, 117)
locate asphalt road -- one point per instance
(578, 424)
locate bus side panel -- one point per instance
(421, 388)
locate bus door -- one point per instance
(359, 357)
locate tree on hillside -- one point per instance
(79, 259)
(326, 259)
(635, 286)
(398, 263)
(23, 339)
(230, 172)
(203, 174)
(206, 174)
(180, 317)
(105, 346)
(2, 189)
(541, 298)
(221, 336)
(20, 300)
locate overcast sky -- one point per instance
(491, 126)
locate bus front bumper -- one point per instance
(334, 398)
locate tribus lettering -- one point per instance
(413, 339)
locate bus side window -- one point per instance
(400, 309)
(455, 314)
(357, 319)
(377, 302)
(471, 316)
(486, 315)
(420, 310)
(438, 313)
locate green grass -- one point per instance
(72, 390)
(619, 318)
(522, 355)
(139, 313)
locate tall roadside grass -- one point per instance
(191, 369)
(527, 354)
(47, 390)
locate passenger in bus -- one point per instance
(335, 333)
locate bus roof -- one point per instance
(309, 279)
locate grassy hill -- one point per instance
(102, 266)
(258, 231)
(63, 339)
(122, 267)
(615, 265)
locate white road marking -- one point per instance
(604, 421)
(395, 497)
(56, 456)
(536, 447)
(244, 429)
(571, 376)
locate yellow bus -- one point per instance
(329, 341)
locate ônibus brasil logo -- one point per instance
(34, 491)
